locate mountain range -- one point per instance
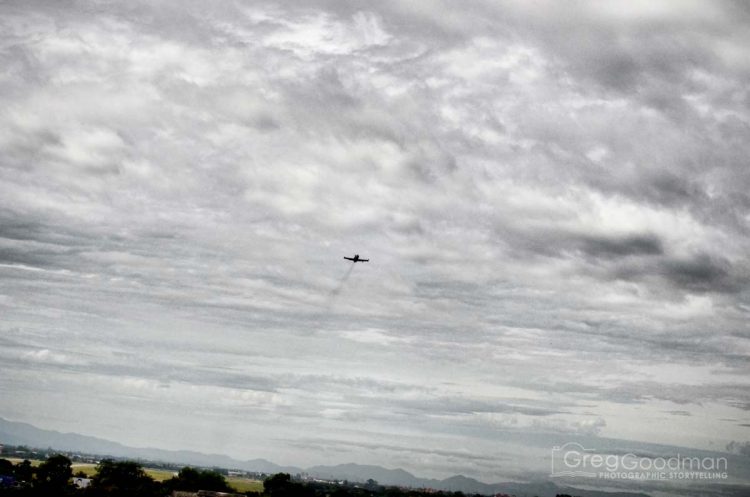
(16, 433)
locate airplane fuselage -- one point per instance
(356, 259)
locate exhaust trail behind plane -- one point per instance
(333, 294)
(342, 282)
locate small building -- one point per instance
(81, 482)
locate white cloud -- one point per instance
(553, 201)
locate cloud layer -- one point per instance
(553, 197)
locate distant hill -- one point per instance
(361, 473)
(399, 477)
(15, 433)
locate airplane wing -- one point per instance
(364, 260)
(349, 258)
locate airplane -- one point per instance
(356, 259)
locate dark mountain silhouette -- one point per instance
(399, 477)
(15, 433)
(363, 472)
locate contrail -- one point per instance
(333, 294)
(342, 282)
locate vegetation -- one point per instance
(122, 479)
(110, 478)
(246, 485)
(191, 479)
(53, 477)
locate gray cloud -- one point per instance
(741, 448)
(633, 245)
(554, 200)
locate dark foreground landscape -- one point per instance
(36, 462)
(56, 475)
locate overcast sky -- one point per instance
(553, 197)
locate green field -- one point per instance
(156, 474)
(245, 485)
(89, 469)
(160, 474)
(16, 460)
(239, 484)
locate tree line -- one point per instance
(54, 478)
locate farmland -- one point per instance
(89, 469)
